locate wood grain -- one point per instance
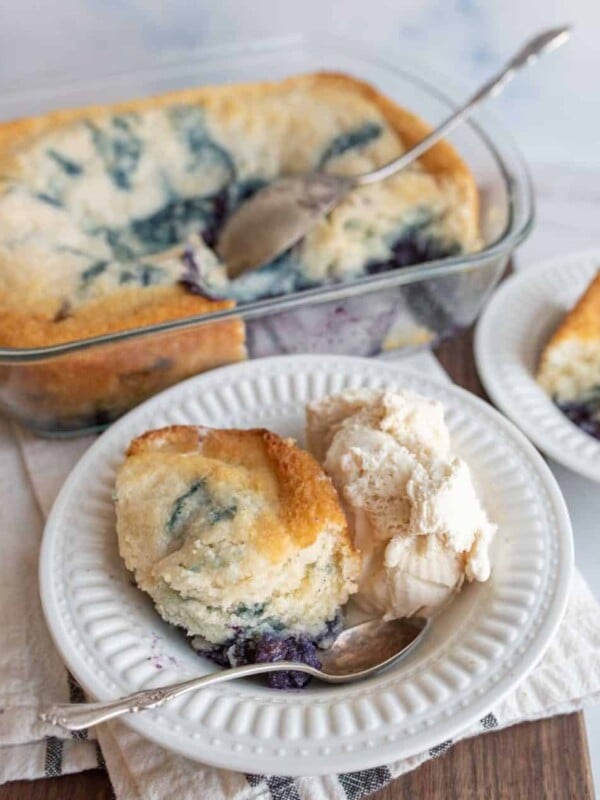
(536, 760)
(546, 760)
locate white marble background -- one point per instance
(553, 110)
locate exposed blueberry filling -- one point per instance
(92, 272)
(141, 274)
(121, 143)
(189, 122)
(177, 220)
(198, 501)
(415, 246)
(357, 326)
(271, 644)
(285, 274)
(350, 141)
(47, 198)
(124, 150)
(68, 165)
(584, 414)
(265, 648)
(119, 147)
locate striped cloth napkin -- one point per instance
(33, 676)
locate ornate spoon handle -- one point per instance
(542, 43)
(76, 716)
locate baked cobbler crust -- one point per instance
(43, 299)
(570, 362)
(233, 533)
(31, 327)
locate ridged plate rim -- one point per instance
(428, 699)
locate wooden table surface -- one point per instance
(535, 760)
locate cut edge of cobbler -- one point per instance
(265, 645)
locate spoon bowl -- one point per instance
(369, 647)
(276, 218)
(357, 652)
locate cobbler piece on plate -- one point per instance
(569, 368)
(239, 538)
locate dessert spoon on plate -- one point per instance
(357, 653)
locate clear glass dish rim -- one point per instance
(508, 240)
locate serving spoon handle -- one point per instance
(544, 42)
(357, 652)
(76, 716)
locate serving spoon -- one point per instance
(279, 215)
(357, 652)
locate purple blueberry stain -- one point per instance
(157, 657)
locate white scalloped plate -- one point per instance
(485, 643)
(510, 336)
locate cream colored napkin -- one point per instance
(33, 676)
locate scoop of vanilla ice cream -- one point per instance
(411, 503)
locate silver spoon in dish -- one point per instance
(357, 652)
(279, 215)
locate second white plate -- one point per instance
(488, 639)
(514, 328)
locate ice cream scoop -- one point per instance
(411, 503)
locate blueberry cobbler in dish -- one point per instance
(87, 195)
(569, 368)
(240, 539)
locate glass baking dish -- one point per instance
(83, 385)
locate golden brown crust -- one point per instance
(171, 439)
(132, 308)
(115, 378)
(440, 159)
(307, 500)
(94, 386)
(127, 309)
(582, 321)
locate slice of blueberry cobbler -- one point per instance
(216, 528)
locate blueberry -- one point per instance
(584, 415)
(268, 648)
(271, 648)
(413, 247)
